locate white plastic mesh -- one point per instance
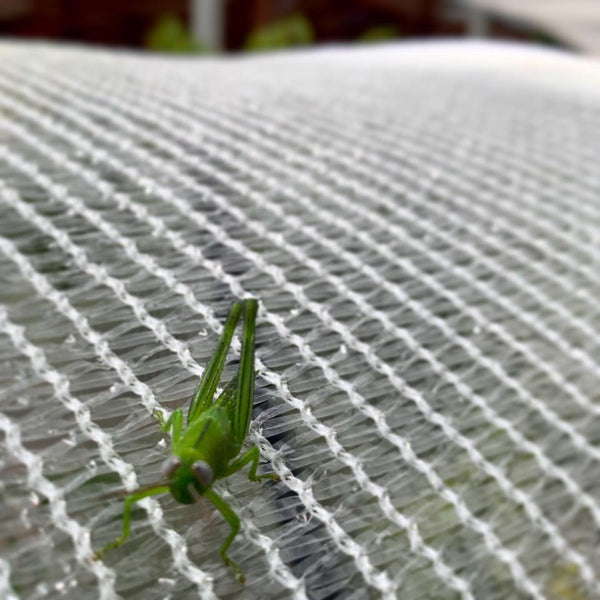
(423, 236)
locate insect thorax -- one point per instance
(208, 438)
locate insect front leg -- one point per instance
(174, 423)
(253, 456)
(129, 502)
(234, 522)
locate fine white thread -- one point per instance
(578, 440)
(6, 590)
(60, 384)
(491, 539)
(492, 542)
(344, 542)
(526, 445)
(107, 356)
(482, 528)
(375, 173)
(509, 155)
(79, 534)
(332, 151)
(532, 511)
(405, 263)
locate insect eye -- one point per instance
(202, 472)
(171, 465)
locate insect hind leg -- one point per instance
(234, 522)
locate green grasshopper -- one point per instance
(207, 448)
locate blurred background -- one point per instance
(202, 26)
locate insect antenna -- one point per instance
(124, 493)
(194, 494)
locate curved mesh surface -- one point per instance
(423, 236)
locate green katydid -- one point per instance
(207, 448)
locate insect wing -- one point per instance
(227, 397)
(207, 387)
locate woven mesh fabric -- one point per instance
(423, 238)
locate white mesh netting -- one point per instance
(423, 236)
